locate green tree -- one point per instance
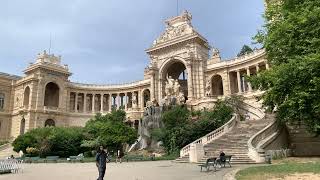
(180, 130)
(109, 130)
(59, 141)
(292, 42)
(245, 50)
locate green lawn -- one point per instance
(281, 169)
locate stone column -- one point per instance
(190, 85)
(93, 102)
(239, 81)
(140, 96)
(101, 101)
(110, 102)
(267, 66)
(152, 91)
(126, 102)
(76, 102)
(248, 74)
(118, 101)
(84, 102)
(257, 68)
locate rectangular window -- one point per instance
(1, 101)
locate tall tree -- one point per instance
(291, 37)
(245, 50)
(109, 130)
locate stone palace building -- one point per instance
(180, 56)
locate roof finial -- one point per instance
(177, 7)
(50, 44)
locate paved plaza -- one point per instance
(158, 170)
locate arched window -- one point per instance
(1, 101)
(49, 123)
(51, 97)
(26, 96)
(217, 85)
(146, 97)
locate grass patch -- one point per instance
(280, 169)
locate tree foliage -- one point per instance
(291, 37)
(109, 130)
(180, 130)
(46, 141)
(245, 50)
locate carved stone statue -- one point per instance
(134, 100)
(169, 86)
(215, 52)
(173, 95)
(208, 88)
(176, 88)
(181, 98)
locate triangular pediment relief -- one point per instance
(176, 28)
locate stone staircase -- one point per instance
(235, 142)
(6, 151)
(184, 159)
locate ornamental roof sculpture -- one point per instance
(48, 58)
(177, 28)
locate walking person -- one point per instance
(101, 162)
(119, 156)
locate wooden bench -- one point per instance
(76, 158)
(209, 162)
(51, 158)
(223, 161)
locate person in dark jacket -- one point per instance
(101, 162)
(222, 158)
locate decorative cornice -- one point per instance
(136, 84)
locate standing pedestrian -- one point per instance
(101, 162)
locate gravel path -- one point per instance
(157, 170)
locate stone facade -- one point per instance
(46, 97)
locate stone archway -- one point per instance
(26, 96)
(177, 70)
(49, 123)
(51, 97)
(146, 97)
(217, 85)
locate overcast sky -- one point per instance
(103, 41)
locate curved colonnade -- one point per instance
(44, 96)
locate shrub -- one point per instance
(32, 151)
(46, 141)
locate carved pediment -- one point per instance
(176, 27)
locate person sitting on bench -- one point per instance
(222, 158)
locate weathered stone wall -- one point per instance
(280, 142)
(302, 142)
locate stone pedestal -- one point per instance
(196, 153)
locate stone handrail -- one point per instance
(255, 143)
(258, 112)
(211, 136)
